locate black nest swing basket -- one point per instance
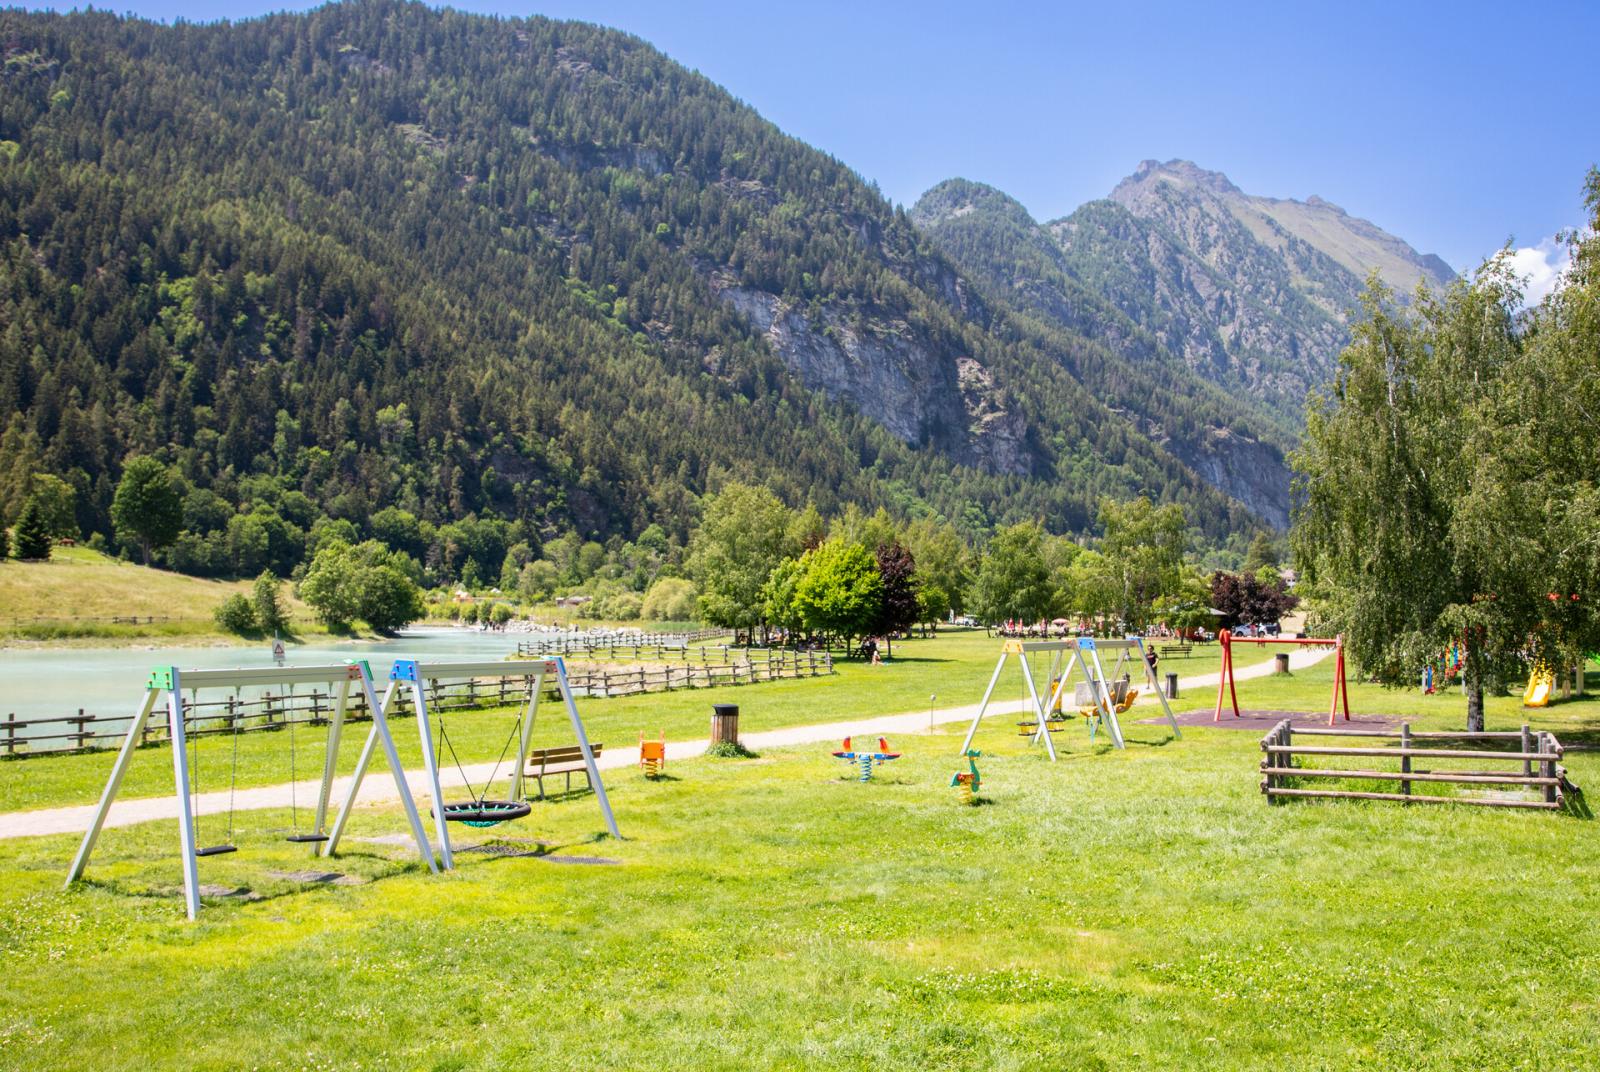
(483, 813)
(479, 811)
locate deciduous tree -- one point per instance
(1245, 599)
(839, 590)
(898, 606)
(1013, 580)
(1390, 461)
(743, 535)
(146, 509)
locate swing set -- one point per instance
(415, 677)
(1066, 656)
(1226, 683)
(169, 683)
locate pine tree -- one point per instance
(32, 535)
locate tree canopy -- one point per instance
(1448, 480)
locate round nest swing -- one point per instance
(484, 813)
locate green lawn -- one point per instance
(955, 666)
(1143, 908)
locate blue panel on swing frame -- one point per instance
(415, 671)
(1086, 644)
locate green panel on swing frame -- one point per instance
(323, 673)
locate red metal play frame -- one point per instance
(1225, 680)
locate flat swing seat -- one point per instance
(216, 850)
(306, 839)
(485, 812)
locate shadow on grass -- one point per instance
(1576, 805)
(563, 796)
(1162, 743)
(214, 893)
(1579, 740)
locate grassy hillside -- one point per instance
(78, 593)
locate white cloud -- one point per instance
(1540, 268)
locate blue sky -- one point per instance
(1457, 126)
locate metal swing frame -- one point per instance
(1084, 654)
(412, 675)
(170, 681)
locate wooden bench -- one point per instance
(567, 760)
(1182, 651)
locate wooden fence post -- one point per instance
(11, 734)
(1527, 747)
(1405, 757)
(1547, 767)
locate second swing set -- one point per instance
(1079, 654)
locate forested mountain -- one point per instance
(527, 271)
(1238, 444)
(1251, 294)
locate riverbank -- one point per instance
(80, 598)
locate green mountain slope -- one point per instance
(1183, 288)
(1236, 444)
(383, 255)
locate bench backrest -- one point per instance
(569, 753)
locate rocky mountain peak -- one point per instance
(1182, 173)
(1201, 206)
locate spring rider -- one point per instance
(653, 755)
(966, 784)
(866, 759)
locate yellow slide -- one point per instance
(1540, 682)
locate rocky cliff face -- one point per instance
(921, 395)
(1316, 226)
(1209, 295)
(1253, 472)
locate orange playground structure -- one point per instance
(1226, 687)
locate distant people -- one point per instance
(1152, 658)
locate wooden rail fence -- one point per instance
(272, 712)
(95, 619)
(774, 665)
(1535, 756)
(642, 645)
